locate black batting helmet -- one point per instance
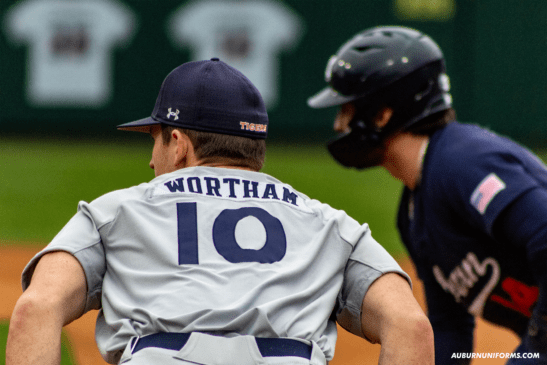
(393, 66)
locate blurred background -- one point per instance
(84, 66)
(71, 70)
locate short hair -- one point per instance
(227, 149)
(433, 122)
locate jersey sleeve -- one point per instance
(368, 261)
(525, 223)
(81, 238)
(482, 184)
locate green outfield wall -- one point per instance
(67, 68)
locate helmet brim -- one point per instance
(329, 97)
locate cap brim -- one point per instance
(328, 97)
(141, 125)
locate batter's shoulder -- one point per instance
(460, 148)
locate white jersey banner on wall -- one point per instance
(247, 35)
(70, 48)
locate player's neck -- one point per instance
(220, 163)
(226, 166)
(192, 161)
(404, 158)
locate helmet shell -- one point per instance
(396, 67)
(371, 61)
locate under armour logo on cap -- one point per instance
(208, 96)
(173, 114)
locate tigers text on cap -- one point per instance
(208, 96)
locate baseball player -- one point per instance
(213, 262)
(473, 213)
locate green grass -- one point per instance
(67, 357)
(42, 182)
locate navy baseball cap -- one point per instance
(208, 96)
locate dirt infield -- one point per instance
(350, 350)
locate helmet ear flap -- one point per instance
(426, 89)
(412, 98)
(420, 94)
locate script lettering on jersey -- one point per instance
(464, 277)
(232, 188)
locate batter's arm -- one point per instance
(392, 317)
(56, 296)
(524, 224)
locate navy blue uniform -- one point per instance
(476, 229)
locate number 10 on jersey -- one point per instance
(224, 238)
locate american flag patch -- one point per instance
(487, 189)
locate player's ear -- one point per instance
(181, 146)
(383, 116)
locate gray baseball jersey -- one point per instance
(219, 251)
